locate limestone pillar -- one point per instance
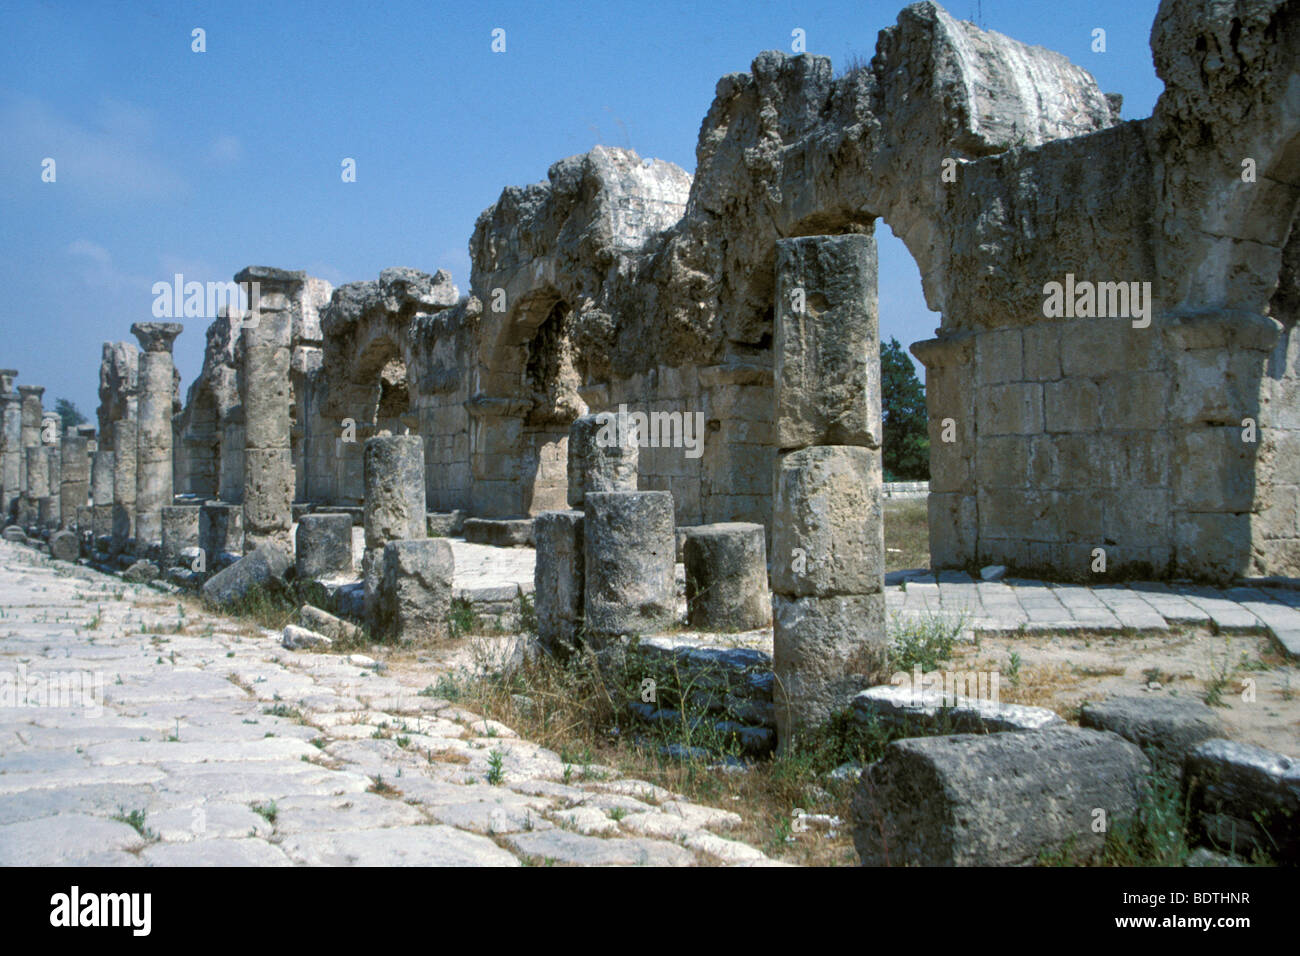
(38, 484)
(393, 469)
(268, 460)
(323, 546)
(180, 532)
(154, 476)
(558, 576)
(602, 455)
(629, 550)
(221, 530)
(101, 492)
(52, 436)
(828, 545)
(11, 444)
(74, 481)
(726, 577)
(124, 475)
(30, 396)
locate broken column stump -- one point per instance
(558, 577)
(323, 546)
(393, 470)
(180, 533)
(628, 552)
(726, 577)
(415, 589)
(602, 456)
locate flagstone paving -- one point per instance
(153, 735)
(1018, 604)
(150, 734)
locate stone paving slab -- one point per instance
(1022, 604)
(224, 749)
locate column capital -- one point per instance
(31, 391)
(157, 336)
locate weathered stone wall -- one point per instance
(1003, 167)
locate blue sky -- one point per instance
(172, 161)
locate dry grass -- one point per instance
(907, 535)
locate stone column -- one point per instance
(124, 475)
(558, 576)
(394, 510)
(52, 435)
(31, 422)
(11, 444)
(38, 484)
(828, 544)
(180, 532)
(154, 476)
(74, 481)
(629, 549)
(603, 453)
(101, 492)
(268, 458)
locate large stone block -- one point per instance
(558, 576)
(394, 482)
(923, 710)
(323, 546)
(827, 350)
(64, 546)
(996, 799)
(1166, 728)
(1015, 409)
(726, 577)
(603, 454)
(629, 547)
(180, 531)
(74, 480)
(825, 650)
(262, 568)
(1244, 799)
(827, 523)
(221, 528)
(415, 590)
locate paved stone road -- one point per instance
(1036, 606)
(214, 748)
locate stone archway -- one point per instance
(520, 418)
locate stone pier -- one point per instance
(153, 479)
(629, 549)
(180, 532)
(30, 396)
(74, 480)
(602, 456)
(52, 438)
(221, 530)
(11, 444)
(265, 394)
(124, 476)
(828, 543)
(393, 468)
(558, 576)
(101, 494)
(37, 459)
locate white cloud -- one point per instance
(96, 269)
(111, 157)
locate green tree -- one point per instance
(906, 450)
(68, 412)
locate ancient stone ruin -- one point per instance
(650, 367)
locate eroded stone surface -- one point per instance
(225, 750)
